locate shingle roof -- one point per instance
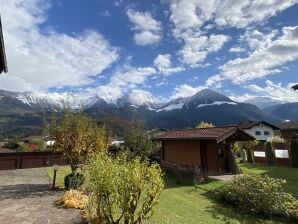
(216, 133)
(254, 123)
(3, 65)
(289, 125)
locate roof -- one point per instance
(3, 65)
(289, 125)
(295, 87)
(217, 133)
(251, 124)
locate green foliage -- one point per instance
(123, 191)
(137, 142)
(269, 154)
(73, 180)
(294, 153)
(22, 148)
(40, 144)
(204, 124)
(260, 195)
(13, 142)
(77, 137)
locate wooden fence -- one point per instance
(23, 160)
(281, 151)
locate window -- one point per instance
(257, 133)
(266, 133)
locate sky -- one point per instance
(162, 49)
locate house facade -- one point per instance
(208, 149)
(260, 130)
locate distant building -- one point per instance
(3, 65)
(289, 130)
(156, 132)
(260, 130)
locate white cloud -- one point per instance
(124, 79)
(196, 49)
(193, 14)
(185, 91)
(276, 91)
(190, 16)
(163, 63)
(265, 60)
(140, 97)
(105, 13)
(237, 49)
(148, 30)
(41, 59)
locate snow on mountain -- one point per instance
(171, 107)
(216, 103)
(139, 98)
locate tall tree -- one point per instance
(77, 137)
(204, 124)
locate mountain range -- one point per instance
(23, 113)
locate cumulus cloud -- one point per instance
(193, 14)
(237, 49)
(185, 91)
(123, 79)
(265, 60)
(148, 30)
(275, 91)
(164, 65)
(196, 48)
(41, 59)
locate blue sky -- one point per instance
(163, 49)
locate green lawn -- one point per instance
(61, 173)
(182, 203)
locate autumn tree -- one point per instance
(77, 137)
(204, 124)
(137, 141)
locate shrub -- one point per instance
(123, 190)
(13, 143)
(260, 195)
(73, 180)
(294, 152)
(269, 154)
(276, 138)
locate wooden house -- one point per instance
(208, 149)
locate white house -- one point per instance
(261, 130)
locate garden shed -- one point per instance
(208, 149)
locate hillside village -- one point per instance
(77, 149)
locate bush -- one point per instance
(122, 190)
(269, 154)
(73, 180)
(73, 199)
(13, 143)
(294, 152)
(260, 195)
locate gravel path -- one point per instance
(26, 198)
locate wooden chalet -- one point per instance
(3, 64)
(206, 149)
(289, 130)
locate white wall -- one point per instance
(262, 128)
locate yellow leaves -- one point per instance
(73, 199)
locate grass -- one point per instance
(182, 203)
(61, 173)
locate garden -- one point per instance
(126, 186)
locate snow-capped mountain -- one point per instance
(262, 101)
(138, 98)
